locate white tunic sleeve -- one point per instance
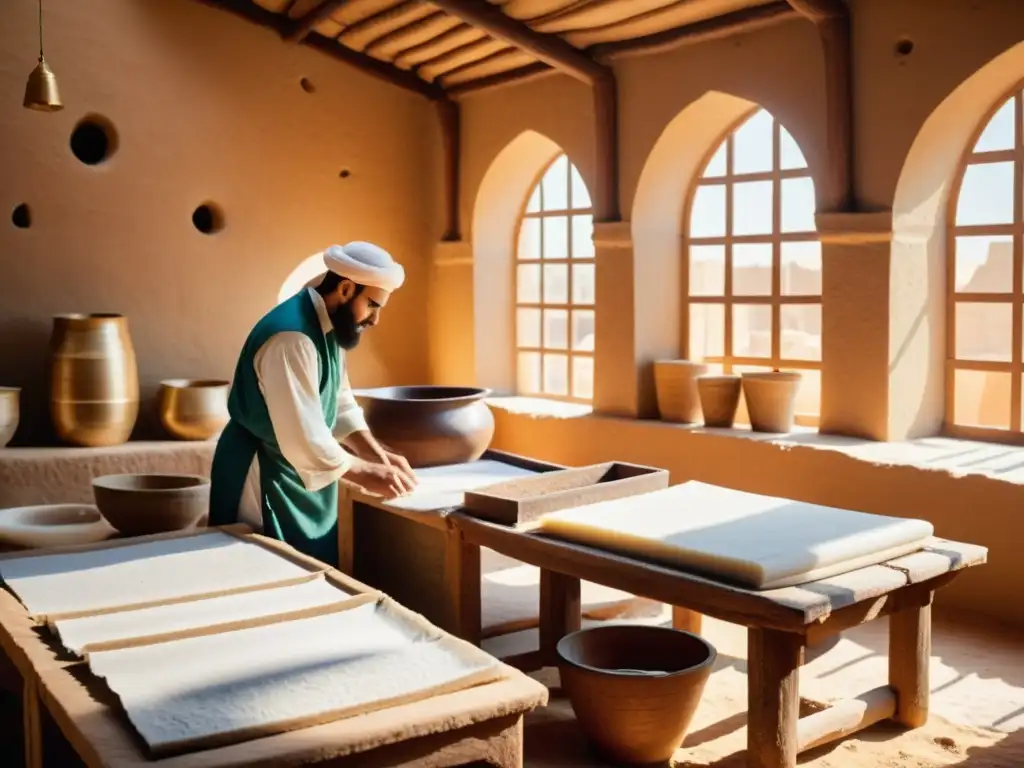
(288, 373)
(350, 414)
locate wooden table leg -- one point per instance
(910, 651)
(462, 581)
(560, 611)
(33, 727)
(346, 532)
(773, 697)
(686, 620)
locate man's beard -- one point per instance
(346, 330)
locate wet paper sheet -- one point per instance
(756, 541)
(211, 690)
(443, 487)
(147, 572)
(81, 634)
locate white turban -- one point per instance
(365, 264)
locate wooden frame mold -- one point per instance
(525, 499)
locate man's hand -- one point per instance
(378, 479)
(399, 461)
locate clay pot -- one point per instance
(10, 413)
(771, 399)
(194, 409)
(94, 397)
(675, 384)
(719, 398)
(53, 525)
(634, 688)
(141, 504)
(430, 425)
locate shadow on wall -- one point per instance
(919, 256)
(25, 361)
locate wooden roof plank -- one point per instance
(305, 24)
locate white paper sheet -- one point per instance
(444, 487)
(76, 634)
(142, 573)
(758, 541)
(185, 690)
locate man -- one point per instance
(291, 403)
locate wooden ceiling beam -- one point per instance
(715, 28)
(380, 18)
(303, 25)
(366, 64)
(550, 49)
(511, 77)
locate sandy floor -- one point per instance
(977, 704)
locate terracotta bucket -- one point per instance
(675, 384)
(10, 413)
(771, 399)
(719, 398)
(634, 688)
(194, 409)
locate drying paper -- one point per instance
(150, 571)
(215, 689)
(757, 541)
(78, 634)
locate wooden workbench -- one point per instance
(780, 623)
(483, 723)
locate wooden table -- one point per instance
(780, 624)
(476, 724)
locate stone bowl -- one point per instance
(53, 525)
(138, 505)
(430, 425)
(634, 688)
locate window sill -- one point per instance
(956, 457)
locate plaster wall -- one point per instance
(883, 318)
(207, 107)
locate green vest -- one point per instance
(307, 520)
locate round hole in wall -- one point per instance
(94, 140)
(208, 218)
(904, 47)
(307, 85)
(344, 173)
(21, 216)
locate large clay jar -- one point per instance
(430, 425)
(194, 409)
(675, 384)
(719, 398)
(94, 397)
(771, 400)
(137, 505)
(10, 413)
(634, 688)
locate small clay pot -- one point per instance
(771, 400)
(194, 409)
(138, 505)
(10, 413)
(634, 688)
(53, 525)
(719, 398)
(430, 425)
(675, 384)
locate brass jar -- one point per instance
(10, 413)
(94, 395)
(194, 409)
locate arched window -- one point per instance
(985, 275)
(754, 277)
(555, 288)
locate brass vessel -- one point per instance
(194, 409)
(10, 413)
(94, 395)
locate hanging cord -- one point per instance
(40, 30)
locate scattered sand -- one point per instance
(977, 706)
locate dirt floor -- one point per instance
(977, 703)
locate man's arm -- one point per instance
(287, 370)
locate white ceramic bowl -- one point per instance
(53, 525)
